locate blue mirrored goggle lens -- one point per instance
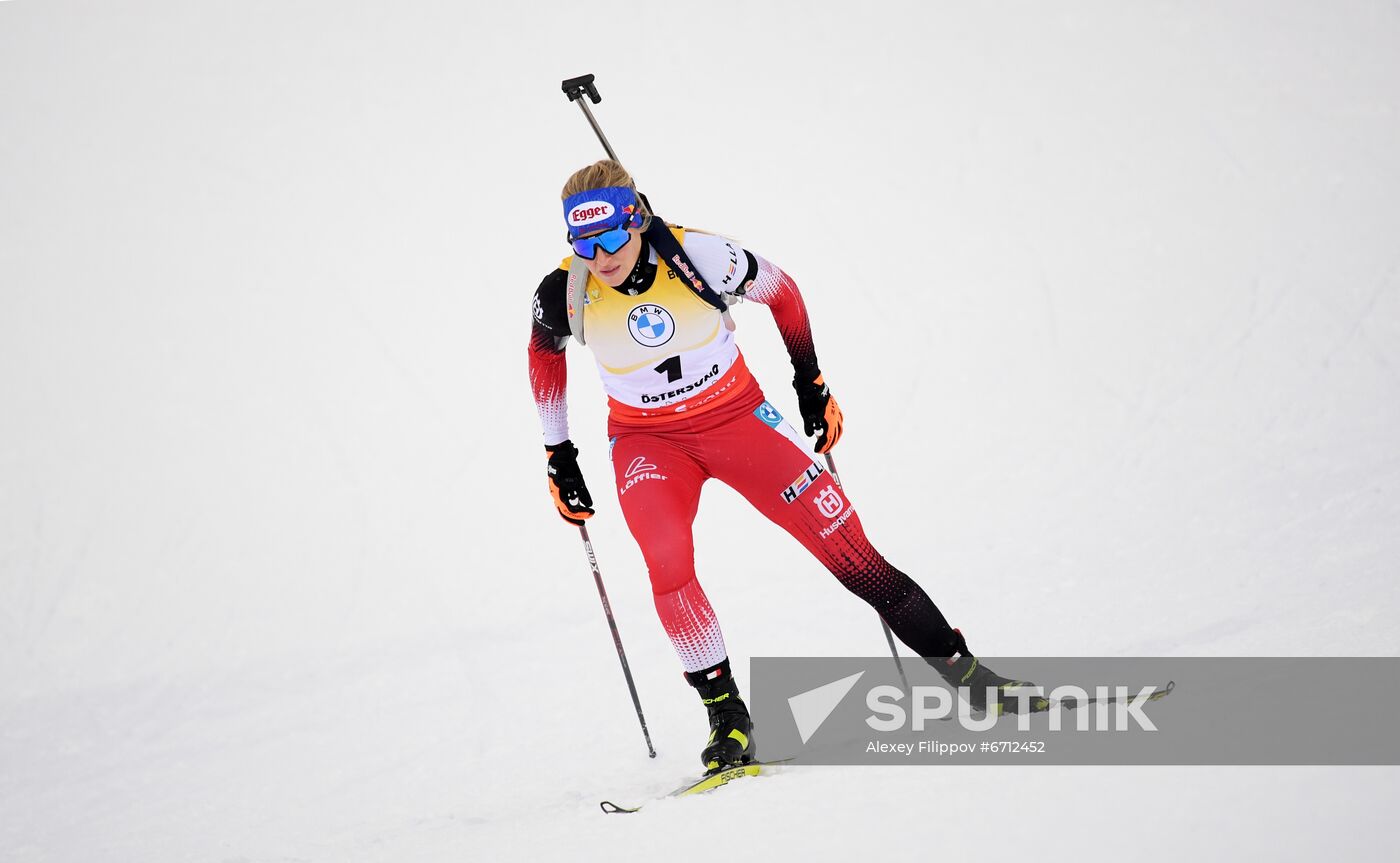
(611, 241)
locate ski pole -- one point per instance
(889, 636)
(617, 637)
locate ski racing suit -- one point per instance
(684, 409)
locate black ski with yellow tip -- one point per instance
(709, 782)
(1155, 695)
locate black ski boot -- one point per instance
(731, 731)
(966, 670)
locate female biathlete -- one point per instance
(683, 409)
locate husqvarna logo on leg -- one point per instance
(829, 502)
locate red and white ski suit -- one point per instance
(684, 409)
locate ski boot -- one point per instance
(731, 730)
(966, 670)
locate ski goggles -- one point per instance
(608, 241)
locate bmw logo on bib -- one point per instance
(651, 325)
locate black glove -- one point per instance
(566, 486)
(820, 413)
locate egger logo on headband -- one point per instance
(589, 212)
(595, 210)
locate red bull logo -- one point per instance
(688, 273)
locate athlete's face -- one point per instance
(612, 269)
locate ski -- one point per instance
(709, 782)
(1155, 695)
(719, 778)
(1041, 705)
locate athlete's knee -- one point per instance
(857, 565)
(677, 590)
(671, 574)
(873, 579)
(667, 546)
(670, 580)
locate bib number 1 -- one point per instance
(671, 368)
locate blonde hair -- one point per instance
(600, 174)
(606, 172)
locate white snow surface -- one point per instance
(1109, 293)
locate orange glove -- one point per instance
(566, 485)
(821, 415)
